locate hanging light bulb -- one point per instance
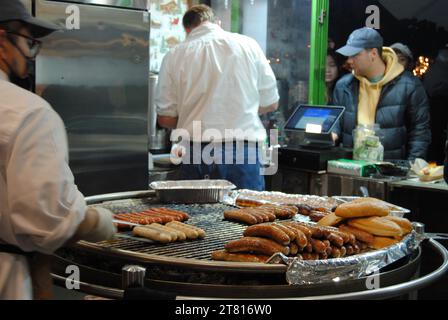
(226, 4)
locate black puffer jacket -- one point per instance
(402, 113)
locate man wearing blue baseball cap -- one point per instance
(379, 91)
(41, 208)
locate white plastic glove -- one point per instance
(103, 227)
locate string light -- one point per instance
(422, 66)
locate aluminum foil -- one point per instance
(192, 191)
(305, 272)
(192, 184)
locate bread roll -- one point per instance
(377, 226)
(382, 242)
(330, 220)
(359, 234)
(363, 207)
(405, 224)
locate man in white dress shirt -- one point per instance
(212, 88)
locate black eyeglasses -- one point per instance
(34, 45)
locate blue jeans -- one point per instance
(243, 169)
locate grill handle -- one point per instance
(133, 277)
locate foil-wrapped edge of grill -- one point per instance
(307, 272)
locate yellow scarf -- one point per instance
(369, 93)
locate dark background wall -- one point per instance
(420, 32)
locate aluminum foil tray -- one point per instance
(192, 191)
(301, 272)
(396, 210)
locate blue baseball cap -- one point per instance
(14, 10)
(360, 39)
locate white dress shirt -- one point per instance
(40, 205)
(220, 79)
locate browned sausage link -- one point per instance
(350, 250)
(256, 245)
(335, 239)
(134, 218)
(308, 248)
(359, 234)
(304, 209)
(122, 217)
(269, 213)
(361, 245)
(286, 212)
(335, 253)
(268, 231)
(316, 216)
(290, 232)
(323, 256)
(301, 239)
(149, 218)
(223, 255)
(343, 251)
(346, 237)
(356, 249)
(327, 243)
(318, 246)
(304, 229)
(254, 214)
(240, 216)
(293, 209)
(247, 203)
(165, 218)
(184, 215)
(310, 256)
(152, 218)
(177, 216)
(293, 249)
(315, 231)
(259, 213)
(264, 215)
(329, 250)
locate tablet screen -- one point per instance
(324, 116)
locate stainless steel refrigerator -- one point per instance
(96, 78)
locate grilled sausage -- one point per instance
(223, 255)
(268, 231)
(190, 233)
(305, 230)
(290, 232)
(310, 256)
(255, 214)
(256, 245)
(241, 216)
(152, 234)
(318, 246)
(335, 253)
(293, 249)
(335, 239)
(181, 236)
(182, 214)
(359, 234)
(162, 228)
